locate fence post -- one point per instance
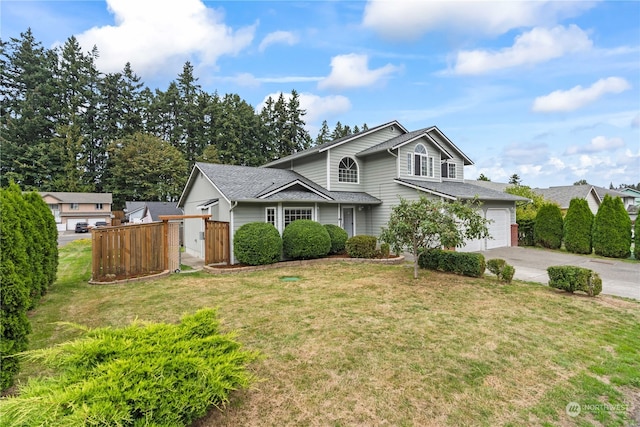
(165, 232)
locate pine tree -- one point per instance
(578, 225)
(324, 134)
(612, 229)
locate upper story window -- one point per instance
(419, 163)
(98, 206)
(449, 170)
(74, 206)
(348, 170)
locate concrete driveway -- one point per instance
(65, 237)
(618, 278)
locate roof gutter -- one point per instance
(389, 151)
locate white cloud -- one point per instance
(249, 80)
(535, 46)
(152, 33)
(408, 20)
(352, 70)
(576, 97)
(284, 37)
(522, 153)
(597, 144)
(557, 163)
(318, 108)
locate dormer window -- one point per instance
(419, 163)
(449, 170)
(348, 170)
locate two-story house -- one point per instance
(353, 182)
(70, 208)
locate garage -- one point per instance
(71, 223)
(499, 228)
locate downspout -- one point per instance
(231, 259)
(397, 162)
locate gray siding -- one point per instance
(432, 151)
(350, 149)
(379, 176)
(313, 167)
(200, 192)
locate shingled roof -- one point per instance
(459, 190)
(244, 183)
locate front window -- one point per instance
(294, 214)
(270, 216)
(74, 206)
(422, 163)
(348, 170)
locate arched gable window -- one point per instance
(419, 163)
(348, 170)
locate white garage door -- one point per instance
(71, 223)
(472, 246)
(499, 229)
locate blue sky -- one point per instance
(547, 90)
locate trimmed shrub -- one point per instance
(463, 263)
(338, 237)
(495, 265)
(385, 250)
(507, 273)
(501, 269)
(257, 243)
(49, 243)
(612, 229)
(362, 246)
(172, 376)
(577, 228)
(570, 278)
(305, 239)
(636, 237)
(547, 230)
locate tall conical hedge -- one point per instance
(612, 229)
(578, 225)
(28, 266)
(15, 286)
(547, 231)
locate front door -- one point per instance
(347, 221)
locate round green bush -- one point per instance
(612, 229)
(338, 238)
(257, 243)
(578, 224)
(305, 239)
(547, 231)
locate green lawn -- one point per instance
(360, 344)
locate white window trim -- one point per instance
(357, 166)
(424, 157)
(290, 208)
(275, 215)
(455, 170)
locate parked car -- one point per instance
(82, 227)
(101, 224)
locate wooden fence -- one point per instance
(216, 240)
(130, 251)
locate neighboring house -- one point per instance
(632, 193)
(353, 182)
(70, 208)
(591, 193)
(136, 211)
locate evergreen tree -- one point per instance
(240, 138)
(190, 115)
(297, 135)
(547, 231)
(482, 177)
(15, 285)
(338, 132)
(578, 224)
(324, 134)
(27, 119)
(515, 179)
(612, 229)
